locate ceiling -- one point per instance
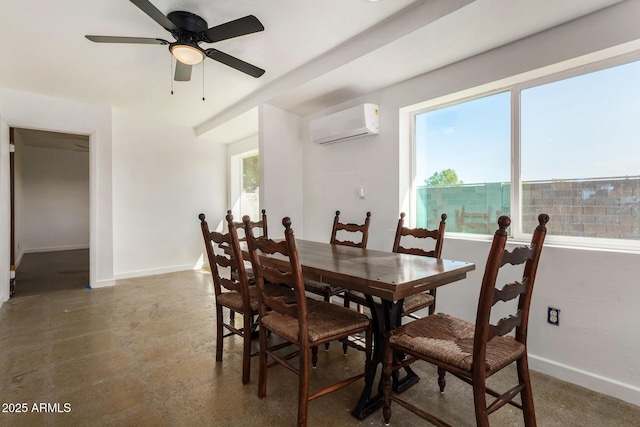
(316, 53)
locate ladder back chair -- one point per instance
(305, 323)
(232, 291)
(417, 302)
(326, 290)
(474, 352)
(262, 225)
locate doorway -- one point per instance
(51, 211)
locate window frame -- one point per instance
(515, 86)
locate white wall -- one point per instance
(596, 344)
(52, 199)
(281, 169)
(164, 177)
(33, 111)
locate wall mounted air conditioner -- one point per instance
(353, 122)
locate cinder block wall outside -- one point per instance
(605, 208)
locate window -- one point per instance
(249, 201)
(580, 153)
(575, 158)
(245, 185)
(462, 164)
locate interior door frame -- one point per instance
(12, 212)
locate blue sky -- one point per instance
(583, 127)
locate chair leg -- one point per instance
(480, 401)
(347, 304)
(303, 385)
(442, 382)
(327, 298)
(246, 347)
(219, 333)
(387, 371)
(262, 374)
(528, 411)
(432, 307)
(314, 357)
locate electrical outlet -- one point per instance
(553, 316)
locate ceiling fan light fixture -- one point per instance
(187, 54)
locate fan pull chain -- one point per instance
(203, 80)
(171, 71)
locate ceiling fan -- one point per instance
(190, 30)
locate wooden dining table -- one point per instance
(388, 275)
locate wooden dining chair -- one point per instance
(305, 323)
(325, 290)
(420, 301)
(261, 225)
(233, 291)
(474, 352)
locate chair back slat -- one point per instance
(350, 228)
(262, 225)
(228, 258)
(489, 295)
(510, 291)
(518, 255)
(417, 251)
(230, 284)
(277, 262)
(218, 238)
(420, 233)
(505, 325)
(224, 261)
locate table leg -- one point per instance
(384, 318)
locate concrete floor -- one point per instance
(142, 353)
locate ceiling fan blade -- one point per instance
(183, 72)
(155, 14)
(135, 40)
(234, 62)
(247, 25)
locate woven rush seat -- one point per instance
(325, 321)
(411, 303)
(233, 299)
(450, 340)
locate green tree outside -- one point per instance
(251, 174)
(442, 178)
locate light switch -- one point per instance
(361, 192)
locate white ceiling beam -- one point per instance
(406, 21)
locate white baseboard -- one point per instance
(627, 392)
(51, 249)
(153, 272)
(54, 249)
(104, 283)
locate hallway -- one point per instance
(45, 272)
